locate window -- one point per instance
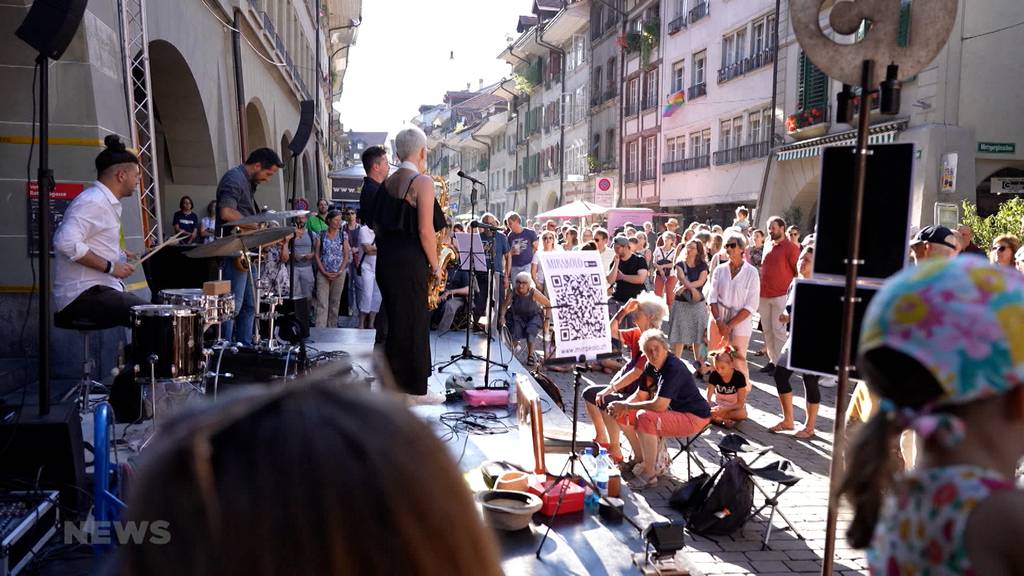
(680, 9)
(705, 136)
(812, 86)
(595, 148)
(762, 34)
(597, 86)
(725, 135)
(737, 132)
(579, 49)
(695, 145)
(754, 119)
(633, 96)
(579, 110)
(612, 74)
(728, 50)
(651, 88)
(675, 148)
(610, 144)
(677, 76)
(699, 61)
(650, 169)
(631, 159)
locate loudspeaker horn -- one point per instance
(302, 133)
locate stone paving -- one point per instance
(805, 504)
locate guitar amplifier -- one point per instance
(27, 522)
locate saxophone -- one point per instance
(445, 253)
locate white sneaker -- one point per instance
(828, 382)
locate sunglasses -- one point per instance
(731, 245)
(999, 248)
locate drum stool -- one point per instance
(85, 328)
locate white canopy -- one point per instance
(574, 209)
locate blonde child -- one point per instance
(942, 345)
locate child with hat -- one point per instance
(942, 345)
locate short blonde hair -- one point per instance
(409, 141)
(653, 335)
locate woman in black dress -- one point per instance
(408, 218)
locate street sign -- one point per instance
(1007, 186)
(997, 147)
(603, 194)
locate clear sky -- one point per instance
(401, 57)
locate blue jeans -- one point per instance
(241, 287)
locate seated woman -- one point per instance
(729, 388)
(524, 314)
(648, 310)
(669, 405)
(453, 299)
(310, 478)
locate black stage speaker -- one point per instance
(50, 25)
(665, 537)
(298, 143)
(170, 268)
(885, 220)
(299, 330)
(816, 325)
(45, 452)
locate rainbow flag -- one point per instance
(675, 102)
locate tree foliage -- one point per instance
(1008, 220)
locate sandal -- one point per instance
(805, 434)
(780, 427)
(642, 482)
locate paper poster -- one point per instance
(578, 291)
(948, 184)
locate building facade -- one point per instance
(717, 120)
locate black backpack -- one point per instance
(719, 504)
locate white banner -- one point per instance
(578, 291)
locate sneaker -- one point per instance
(828, 382)
(769, 369)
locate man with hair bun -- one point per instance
(89, 264)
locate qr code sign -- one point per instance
(583, 315)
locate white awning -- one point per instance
(883, 133)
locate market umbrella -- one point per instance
(574, 209)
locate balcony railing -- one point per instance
(632, 109)
(700, 10)
(631, 177)
(672, 166)
(677, 24)
(610, 93)
(696, 163)
(748, 64)
(696, 91)
(741, 153)
(649, 173)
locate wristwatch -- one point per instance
(110, 267)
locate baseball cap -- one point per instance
(935, 235)
(621, 241)
(962, 319)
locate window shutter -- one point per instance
(812, 90)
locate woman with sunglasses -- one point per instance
(547, 244)
(1003, 249)
(734, 296)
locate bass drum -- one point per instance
(174, 335)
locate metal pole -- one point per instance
(236, 53)
(849, 302)
(316, 113)
(758, 216)
(45, 184)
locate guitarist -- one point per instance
(236, 199)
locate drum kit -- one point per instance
(169, 344)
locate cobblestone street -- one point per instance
(805, 504)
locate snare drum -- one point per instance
(174, 334)
(215, 309)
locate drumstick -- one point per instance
(172, 240)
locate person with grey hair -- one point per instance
(648, 311)
(733, 297)
(524, 315)
(407, 219)
(667, 404)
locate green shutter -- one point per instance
(812, 90)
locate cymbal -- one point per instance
(232, 245)
(267, 216)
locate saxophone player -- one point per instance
(407, 218)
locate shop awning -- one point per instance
(883, 133)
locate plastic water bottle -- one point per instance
(588, 461)
(601, 472)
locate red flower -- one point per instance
(944, 495)
(935, 553)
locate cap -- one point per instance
(961, 318)
(935, 235)
(621, 241)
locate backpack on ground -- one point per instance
(720, 504)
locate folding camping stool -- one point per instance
(784, 475)
(685, 443)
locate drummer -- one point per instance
(236, 199)
(90, 265)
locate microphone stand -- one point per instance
(466, 353)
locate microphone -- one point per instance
(462, 174)
(479, 224)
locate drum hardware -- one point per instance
(268, 217)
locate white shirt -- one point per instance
(735, 294)
(409, 166)
(367, 237)
(607, 257)
(91, 222)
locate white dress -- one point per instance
(369, 292)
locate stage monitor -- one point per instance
(816, 326)
(885, 219)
